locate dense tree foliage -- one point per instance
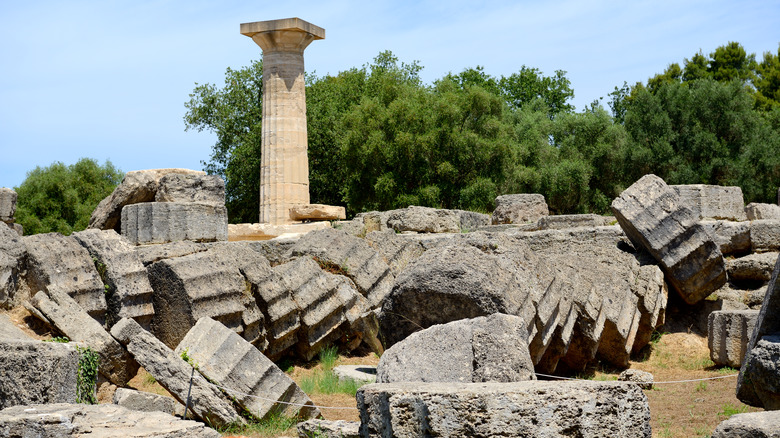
(379, 138)
(61, 198)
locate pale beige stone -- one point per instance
(284, 168)
(317, 212)
(268, 231)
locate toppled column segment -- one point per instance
(162, 222)
(69, 318)
(234, 364)
(517, 409)
(652, 216)
(728, 335)
(173, 373)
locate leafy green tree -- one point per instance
(61, 198)
(767, 82)
(234, 114)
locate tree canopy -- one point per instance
(62, 197)
(380, 138)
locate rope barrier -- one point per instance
(230, 390)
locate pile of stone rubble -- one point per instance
(470, 304)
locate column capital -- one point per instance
(287, 34)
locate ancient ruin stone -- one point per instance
(162, 222)
(752, 267)
(712, 202)
(358, 373)
(520, 208)
(350, 256)
(484, 349)
(424, 220)
(329, 429)
(129, 294)
(759, 377)
(147, 402)
(652, 216)
(70, 319)
(10, 332)
(253, 380)
(765, 235)
(137, 186)
(750, 425)
(317, 212)
(563, 221)
(12, 252)
(641, 378)
(397, 251)
(174, 374)
(190, 287)
(98, 421)
(177, 187)
(7, 204)
(731, 237)
(56, 262)
(758, 211)
(471, 220)
(154, 253)
(35, 372)
(517, 409)
(728, 335)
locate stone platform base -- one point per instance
(238, 232)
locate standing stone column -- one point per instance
(284, 170)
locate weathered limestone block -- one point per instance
(520, 208)
(10, 332)
(177, 187)
(731, 237)
(98, 421)
(281, 313)
(33, 372)
(757, 266)
(712, 202)
(129, 294)
(759, 377)
(162, 222)
(651, 215)
(154, 253)
(226, 359)
(137, 186)
(69, 318)
(260, 232)
(329, 429)
(358, 373)
(641, 378)
(353, 257)
(12, 253)
(517, 409)
(174, 374)
(759, 211)
(352, 227)
(190, 287)
(463, 278)
(397, 251)
(147, 402)
(424, 220)
(765, 235)
(471, 220)
(56, 262)
(563, 221)
(329, 307)
(750, 425)
(484, 349)
(7, 204)
(728, 335)
(317, 212)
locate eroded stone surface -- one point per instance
(317, 212)
(329, 429)
(424, 220)
(162, 222)
(759, 211)
(147, 402)
(652, 216)
(520, 208)
(765, 235)
(563, 221)
(728, 335)
(7, 204)
(750, 425)
(712, 202)
(33, 372)
(517, 409)
(178, 187)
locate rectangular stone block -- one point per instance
(519, 208)
(652, 216)
(317, 212)
(728, 335)
(712, 202)
(765, 235)
(179, 187)
(35, 372)
(758, 211)
(257, 384)
(162, 222)
(147, 402)
(7, 204)
(563, 221)
(518, 409)
(731, 237)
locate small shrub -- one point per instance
(86, 380)
(729, 410)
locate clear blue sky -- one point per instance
(108, 79)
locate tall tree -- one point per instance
(62, 197)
